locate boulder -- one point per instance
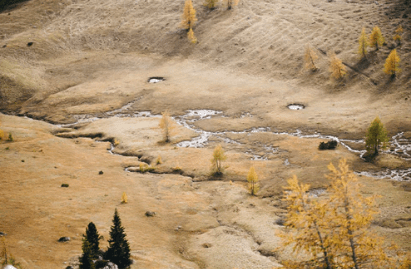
(64, 239)
(150, 214)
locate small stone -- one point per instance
(150, 214)
(29, 44)
(64, 239)
(101, 172)
(2, 234)
(178, 228)
(69, 267)
(22, 161)
(207, 245)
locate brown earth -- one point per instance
(96, 56)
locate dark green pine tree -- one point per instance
(93, 238)
(118, 251)
(85, 260)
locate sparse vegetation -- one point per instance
(64, 185)
(118, 251)
(158, 161)
(310, 58)
(217, 161)
(230, 3)
(376, 137)
(191, 37)
(124, 198)
(253, 181)
(10, 138)
(211, 4)
(391, 66)
(363, 44)
(398, 34)
(376, 39)
(167, 126)
(338, 70)
(7, 258)
(189, 16)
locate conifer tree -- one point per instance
(86, 260)
(363, 44)
(309, 220)
(211, 4)
(253, 180)
(376, 39)
(191, 37)
(391, 66)
(189, 16)
(118, 251)
(337, 69)
(92, 237)
(355, 246)
(398, 34)
(310, 58)
(216, 161)
(167, 126)
(376, 136)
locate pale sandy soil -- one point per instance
(92, 57)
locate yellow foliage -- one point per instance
(211, 4)
(189, 15)
(376, 39)
(363, 44)
(124, 198)
(392, 63)
(2, 134)
(337, 69)
(334, 231)
(253, 181)
(398, 32)
(191, 37)
(216, 161)
(310, 58)
(167, 125)
(158, 161)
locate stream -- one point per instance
(398, 145)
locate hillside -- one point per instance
(74, 78)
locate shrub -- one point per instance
(191, 37)
(10, 139)
(167, 126)
(64, 185)
(328, 145)
(211, 4)
(158, 161)
(230, 3)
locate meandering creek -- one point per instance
(398, 145)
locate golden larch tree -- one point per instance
(391, 66)
(167, 126)
(308, 225)
(376, 39)
(253, 181)
(337, 68)
(217, 161)
(189, 16)
(398, 34)
(191, 37)
(124, 198)
(211, 4)
(376, 136)
(310, 58)
(363, 44)
(230, 3)
(335, 230)
(355, 246)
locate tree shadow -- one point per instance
(8, 5)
